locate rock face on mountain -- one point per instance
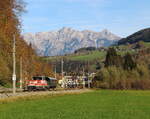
(67, 40)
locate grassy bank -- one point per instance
(92, 105)
(89, 57)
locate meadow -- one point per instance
(93, 55)
(102, 104)
(89, 57)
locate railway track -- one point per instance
(4, 95)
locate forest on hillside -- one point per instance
(130, 71)
(10, 26)
(142, 35)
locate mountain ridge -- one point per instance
(142, 35)
(67, 40)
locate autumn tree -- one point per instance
(10, 25)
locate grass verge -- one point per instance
(103, 104)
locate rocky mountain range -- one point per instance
(67, 40)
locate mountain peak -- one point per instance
(105, 31)
(67, 40)
(66, 29)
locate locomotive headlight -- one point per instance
(43, 81)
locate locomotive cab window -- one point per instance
(47, 79)
(37, 78)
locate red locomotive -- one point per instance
(41, 83)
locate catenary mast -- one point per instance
(14, 65)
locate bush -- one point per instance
(118, 78)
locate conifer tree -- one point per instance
(129, 63)
(112, 58)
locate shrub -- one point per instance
(117, 78)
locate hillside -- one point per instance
(143, 35)
(67, 40)
(91, 58)
(8, 29)
(87, 56)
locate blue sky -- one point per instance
(122, 17)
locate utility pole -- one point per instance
(83, 72)
(21, 80)
(62, 68)
(88, 75)
(96, 44)
(83, 78)
(14, 65)
(55, 72)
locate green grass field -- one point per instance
(147, 44)
(92, 105)
(89, 57)
(82, 57)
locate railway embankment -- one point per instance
(6, 96)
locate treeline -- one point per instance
(71, 67)
(10, 25)
(86, 49)
(124, 72)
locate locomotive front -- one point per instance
(41, 83)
